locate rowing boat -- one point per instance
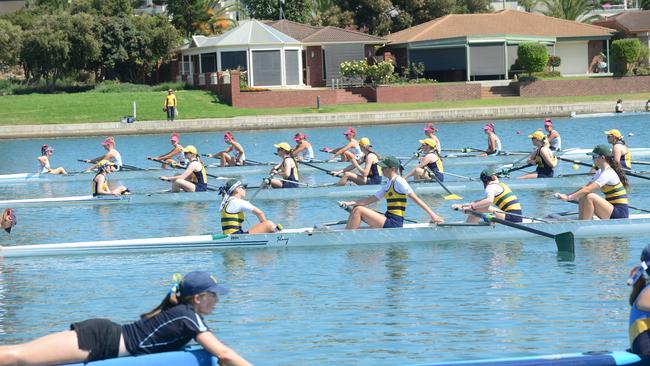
(237, 171)
(607, 114)
(326, 236)
(572, 181)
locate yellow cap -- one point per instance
(191, 149)
(428, 142)
(284, 146)
(538, 135)
(105, 162)
(615, 133)
(364, 141)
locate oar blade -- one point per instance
(452, 196)
(565, 242)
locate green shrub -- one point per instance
(625, 53)
(643, 71)
(532, 57)
(381, 73)
(354, 69)
(554, 61)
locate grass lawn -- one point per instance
(106, 107)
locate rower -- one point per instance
(542, 157)
(430, 131)
(233, 209)
(494, 143)
(303, 150)
(111, 155)
(553, 136)
(8, 219)
(639, 320)
(430, 163)
(369, 174)
(194, 178)
(499, 200)
(44, 162)
(619, 106)
(611, 180)
(287, 169)
(349, 151)
(175, 157)
(396, 190)
(620, 151)
(239, 157)
(100, 185)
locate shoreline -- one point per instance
(312, 120)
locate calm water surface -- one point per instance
(364, 305)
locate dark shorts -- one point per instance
(100, 337)
(240, 231)
(541, 173)
(200, 187)
(620, 212)
(393, 221)
(439, 175)
(641, 344)
(513, 218)
(286, 184)
(374, 180)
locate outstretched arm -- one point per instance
(226, 355)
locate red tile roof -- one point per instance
(505, 22)
(632, 21)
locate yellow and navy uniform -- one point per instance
(626, 159)
(375, 173)
(170, 100)
(508, 202)
(543, 169)
(395, 207)
(200, 179)
(231, 223)
(639, 329)
(293, 177)
(95, 185)
(437, 168)
(617, 195)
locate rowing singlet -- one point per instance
(375, 173)
(293, 175)
(543, 169)
(117, 159)
(42, 169)
(615, 194)
(556, 143)
(200, 178)
(180, 156)
(95, 184)
(437, 168)
(506, 200)
(639, 327)
(498, 148)
(395, 201)
(357, 152)
(307, 154)
(626, 159)
(231, 223)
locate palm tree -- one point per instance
(219, 21)
(571, 9)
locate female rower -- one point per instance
(111, 155)
(349, 151)
(175, 157)
(303, 150)
(542, 157)
(287, 169)
(553, 136)
(430, 163)
(233, 209)
(639, 321)
(494, 143)
(235, 147)
(619, 106)
(430, 132)
(44, 162)
(194, 178)
(100, 185)
(8, 219)
(168, 327)
(395, 191)
(499, 200)
(369, 174)
(611, 180)
(620, 151)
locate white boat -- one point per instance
(326, 236)
(607, 114)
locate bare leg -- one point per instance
(182, 184)
(370, 217)
(356, 178)
(276, 183)
(263, 227)
(475, 219)
(593, 203)
(119, 190)
(58, 170)
(56, 348)
(348, 156)
(528, 176)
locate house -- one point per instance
(630, 24)
(466, 47)
(10, 6)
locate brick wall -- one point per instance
(419, 93)
(578, 87)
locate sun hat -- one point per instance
(198, 282)
(601, 150)
(364, 141)
(105, 162)
(174, 137)
(109, 140)
(429, 128)
(350, 131)
(170, 90)
(390, 162)
(12, 217)
(537, 135)
(614, 132)
(284, 146)
(190, 149)
(548, 122)
(299, 136)
(429, 142)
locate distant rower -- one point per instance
(430, 132)
(175, 157)
(239, 156)
(8, 219)
(620, 151)
(543, 158)
(100, 186)
(494, 143)
(619, 106)
(111, 155)
(349, 151)
(194, 178)
(430, 164)
(553, 136)
(44, 162)
(370, 173)
(287, 170)
(233, 209)
(303, 150)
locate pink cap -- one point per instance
(299, 136)
(488, 127)
(109, 140)
(429, 128)
(227, 136)
(548, 122)
(174, 137)
(350, 131)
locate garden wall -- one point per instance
(419, 93)
(581, 87)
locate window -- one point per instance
(232, 60)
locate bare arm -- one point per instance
(43, 160)
(617, 152)
(299, 148)
(259, 214)
(188, 171)
(366, 201)
(239, 150)
(425, 207)
(582, 191)
(100, 179)
(553, 135)
(343, 149)
(170, 154)
(226, 355)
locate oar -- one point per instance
(508, 171)
(450, 196)
(578, 162)
(640, 162)
(348, 209)
(564, 241)
(523, 217)
(415, 155)
(315, 167)
(265, 184)
(175, 165)
(630, 206)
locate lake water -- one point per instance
(398, 304)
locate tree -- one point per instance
(11, 41)
(295, 10)
(554, 61)
(571, 9)
(528, 5)
(532, 57)
(85, 49)
(645, 4)
(375, 16)
(46, 50)
(626, 52)
(187, 14)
